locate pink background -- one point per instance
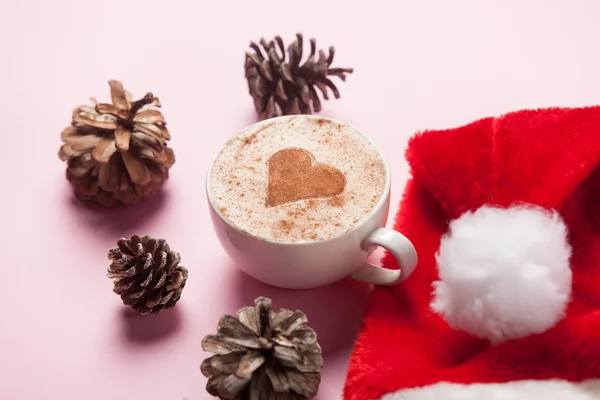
(64, 334)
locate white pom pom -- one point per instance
(504, 272)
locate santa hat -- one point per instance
(505, 301)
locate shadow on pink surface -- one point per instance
(143, 329)
(333, 311)
(120, 221)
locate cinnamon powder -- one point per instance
(294, 176)
(250, 139)
(336, 201)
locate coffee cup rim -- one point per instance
(382, 199)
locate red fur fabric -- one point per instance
(547, 157)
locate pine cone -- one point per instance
(117, 153)
(263, 355)
(145, 274)
(275, 83)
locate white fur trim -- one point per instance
(516, 390)
(504, 272)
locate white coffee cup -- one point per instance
(306, 265)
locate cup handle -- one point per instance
(399, 246)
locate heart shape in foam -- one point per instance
(294, 175)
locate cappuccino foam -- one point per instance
(239, 181)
